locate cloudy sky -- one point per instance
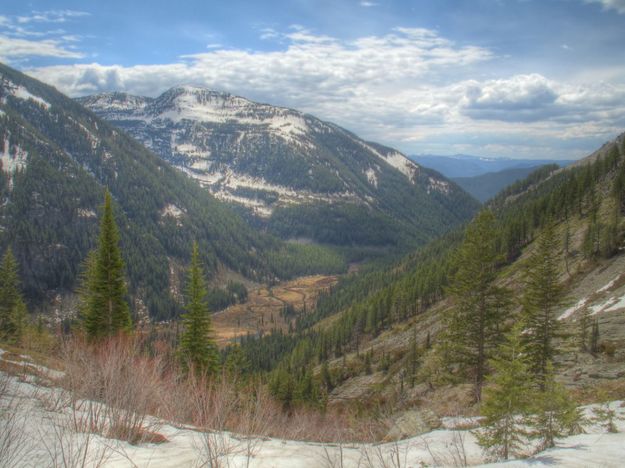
(515, 78)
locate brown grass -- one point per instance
(261, 312)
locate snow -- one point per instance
(372, 177)
(437, 185)
(223, 185)
(13, 159)
(619, 303)
(172, 210)
(22, 93)
(395, 159)
(44, 421)
(609, 285)
(86, 213)
(202, 105)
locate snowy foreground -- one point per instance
(36, 430)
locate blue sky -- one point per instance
(516, 78)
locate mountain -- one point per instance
(57, 158)
(296, 175)
(485, 186)
(463, 165)
(374, 336)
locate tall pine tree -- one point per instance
(12, 308)
(197, 351)
(474, 324)
(105, 310)
(543, 296)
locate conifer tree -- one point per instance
(604, 414)
(237, 362)
(555, 413)
(474, 325)
(197, 348)
(507, 400)
(543, 295)
(105, 310)
(13, 313)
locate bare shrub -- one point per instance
(13, 442)
(66, 448)
(129, 385)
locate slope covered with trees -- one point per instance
(57, 160)
(545, 234)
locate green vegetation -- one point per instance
(197, 350)
(362, 306)
(13, 315)
(543, 294)
(507, 400)
(474, 327)
(49, 213)
(105, 311)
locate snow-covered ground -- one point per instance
(42, 429)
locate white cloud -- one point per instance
(22, 37)
(408, 88)
(368, 4)
(617, 5)
(16, 48)
(51, 16)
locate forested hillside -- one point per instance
(378, 331)
(485, 186)
(57, 160)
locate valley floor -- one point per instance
(36, 430)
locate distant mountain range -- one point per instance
(289, 172)
(486, 186)
(463, 165)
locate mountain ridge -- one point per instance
(272, 159)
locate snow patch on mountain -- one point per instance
(394, 159)
(402, 164)
(86, 213)
(172, 210)
(438, 186)
(13, 159)
(372, 177)
(22, 93)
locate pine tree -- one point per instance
(474, 325)
(197, 351)
(543, 295)
(555, 413)
(507, 400)
(604, 413)
(13, 314)
(105, 310)
(237, 362)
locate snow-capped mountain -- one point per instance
(271, 159)
(56, 159)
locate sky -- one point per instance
(498, 78)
